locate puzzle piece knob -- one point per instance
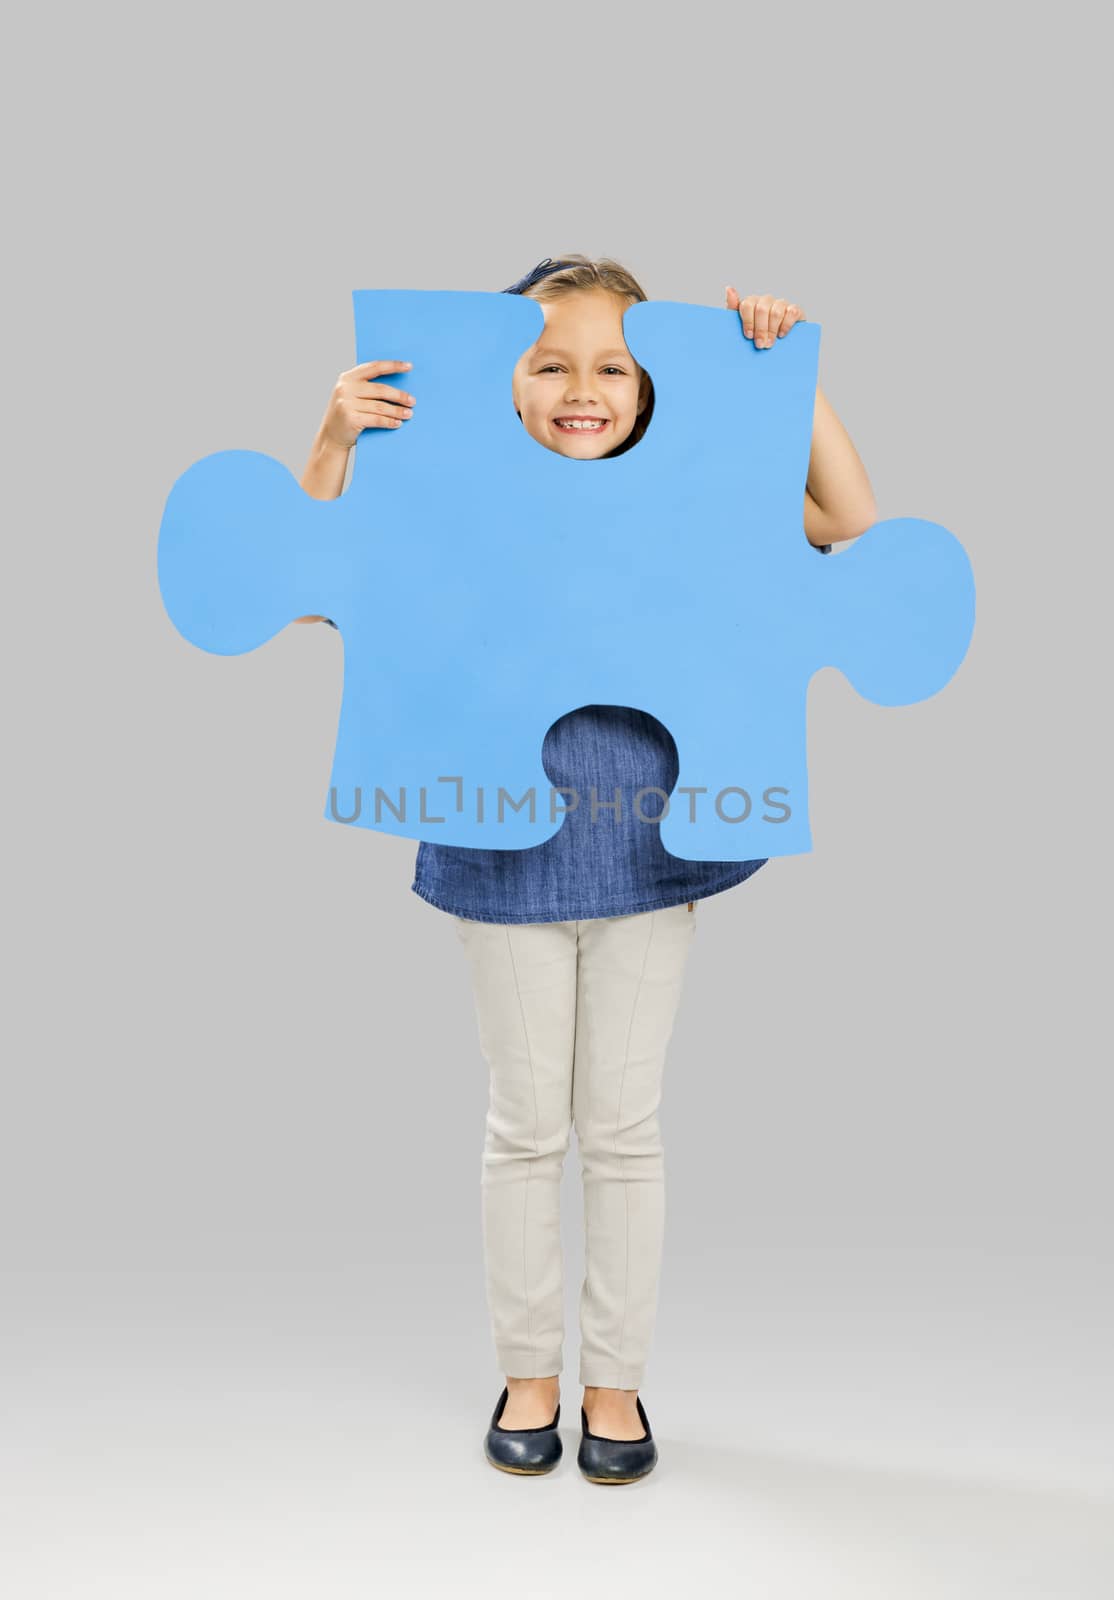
(217, 591)
(905, 609)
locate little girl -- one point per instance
(577, 947)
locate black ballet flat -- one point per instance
(616, 1460)
(529, 1451)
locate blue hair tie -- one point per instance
(536, 274)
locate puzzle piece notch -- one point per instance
(226, 504)
(462, 367)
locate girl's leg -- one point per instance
(524, 980)
(631, 971)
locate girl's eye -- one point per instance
(555, 368)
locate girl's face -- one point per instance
(580, 372)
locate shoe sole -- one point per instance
(522, 1472)
(638, 1477)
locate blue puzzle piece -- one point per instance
(485, 586)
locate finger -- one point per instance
(746, 311)
(370, 369)
(732, 297)
(777, 316)
(366, 407)
(378, 414)
(793, 314)
(762, 321)
(384, 391)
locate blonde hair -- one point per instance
(578, 272)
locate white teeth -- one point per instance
(592, 427)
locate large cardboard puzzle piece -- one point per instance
(485, 586)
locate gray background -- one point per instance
(245, 1346)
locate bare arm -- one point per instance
(358, 401)
(324, 480)
(839, 501)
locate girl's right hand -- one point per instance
(359, 401)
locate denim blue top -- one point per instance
(611, 867)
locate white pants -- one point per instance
(574, 1021)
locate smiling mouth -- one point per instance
(581, 424)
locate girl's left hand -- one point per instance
(764, 318)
